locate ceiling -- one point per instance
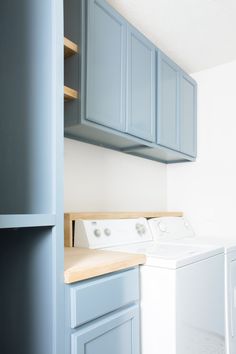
(197, 34)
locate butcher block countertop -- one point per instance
(83, 263)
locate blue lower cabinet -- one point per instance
(96, 297)
(102, 314)
(116, 334)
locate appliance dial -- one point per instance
(162, 227)
(97, 232)
(140, 229)
(107, 232)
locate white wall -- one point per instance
(98, 179)
(206, 190)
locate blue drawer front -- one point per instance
(117, 333)
(94, 298)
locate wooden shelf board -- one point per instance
(70, 94)
(70, 48)
(9, 221)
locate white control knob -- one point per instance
(143, 229)
(162, 227)
(140, 229)
(97, 232)
(107, 232)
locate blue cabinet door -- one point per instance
(167, 102)
(188, 115)
(106, 54)
(117, 334)
(141, 73)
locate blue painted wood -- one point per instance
(26, 220)
(106, 52)
(111, 76)
(26, 291)
(160, 154)
(26, 173)
(57, 140)
(188, 115)
(116, 334)
(31, 186)
(94, 298)
(141, 71)
(167, 102)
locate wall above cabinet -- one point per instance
(133, 98)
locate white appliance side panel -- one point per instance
(231, 306)
(200, 307)
(158, 310)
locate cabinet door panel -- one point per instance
(168, 91)
(141, 86)
(187, 115)
(106, 51)
(116, 334)
(83, 292)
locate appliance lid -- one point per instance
(229, 245)
(171, 256)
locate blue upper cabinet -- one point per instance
(176, 102)
(188, 115)
(133, 98)
(106, 53)
(141, 71)
(167, 102)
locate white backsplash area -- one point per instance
(206, 189)
(98, 179)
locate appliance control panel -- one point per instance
(110, 233)
(170, 228)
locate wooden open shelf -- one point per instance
(70, 94)
(70, 48)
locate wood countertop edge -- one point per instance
(120, 215)
(73, 275)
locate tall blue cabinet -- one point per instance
(31, 157)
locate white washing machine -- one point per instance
(176, 230)
(182, 287)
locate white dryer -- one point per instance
(177, 230)
(182, 287)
